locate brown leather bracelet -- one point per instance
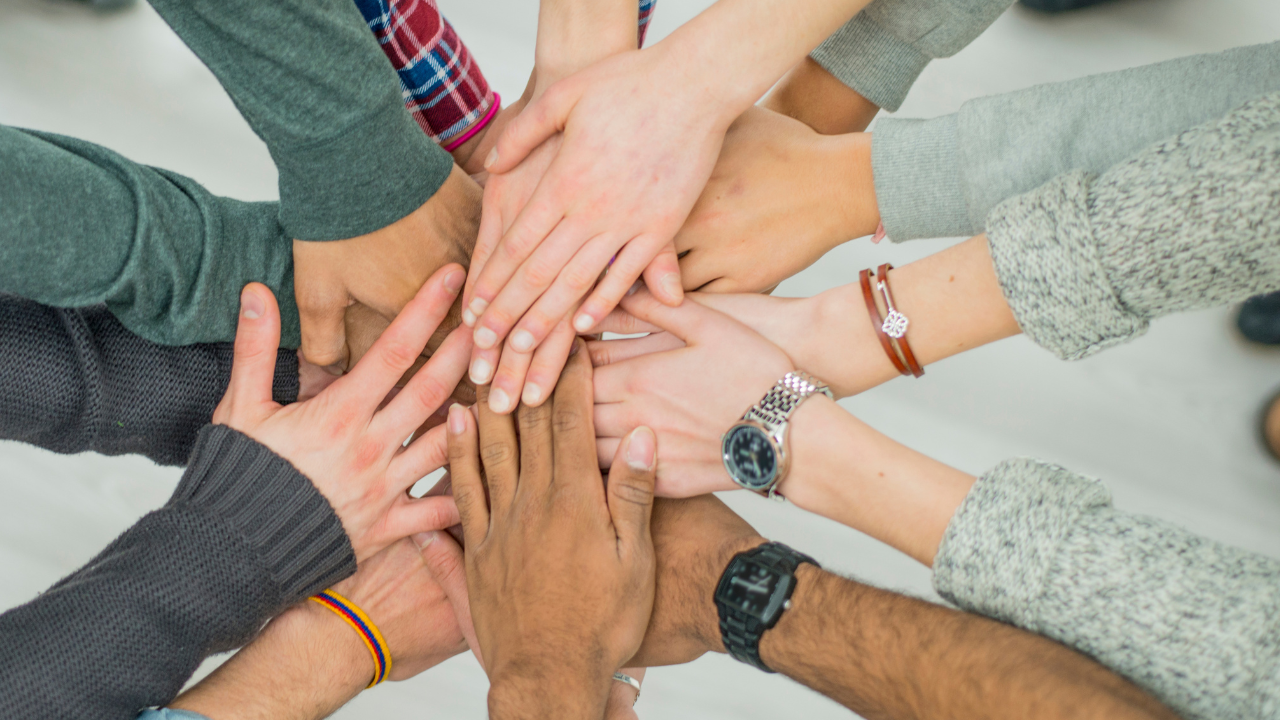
(882, 275)
(877, 322)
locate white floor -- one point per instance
(1167, 421)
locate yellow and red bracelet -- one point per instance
(355, 617)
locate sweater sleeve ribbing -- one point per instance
(244, 536)
(1193, 621)
(75, 380)
(1086, 262)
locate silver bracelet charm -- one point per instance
(895, 323)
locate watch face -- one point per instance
(754, 590)
(750, 457)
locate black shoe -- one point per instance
(1058, 6)
(1259, 319)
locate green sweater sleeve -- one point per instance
(309, 77)
(82, 225)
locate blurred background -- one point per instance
(1167, 422)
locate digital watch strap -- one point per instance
(752, 594)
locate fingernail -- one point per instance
(634, 287)
(457, 419)
(499, 400)
(468, 318)
(335, 369)
(641, 449)
(532, 394)
(422, 540)
(522, 340)
(491, 159)
(671, 285)
(476, 308)
(453, 281)
(480, 371)
(485, 338)
(879, 235)
(583, 322)
(251, 305)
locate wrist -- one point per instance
(842, 349)
(852, 184)
(567, 694)
(716, 562)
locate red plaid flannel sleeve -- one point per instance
(443, 86)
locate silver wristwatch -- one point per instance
(755, 450)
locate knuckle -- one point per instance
(632, 489)
(496, 453)
(566, 420)
(539, 273)
(580, 277)
(368, 452)
(398, 355)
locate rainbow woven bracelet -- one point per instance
(355, 617)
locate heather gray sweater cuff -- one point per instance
(872, 61)
(317, 203)
(998, 551)
(916, 165)
(272, 506)
(1042, 244)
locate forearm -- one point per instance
(573, 34)
(166, 256)
(76, 380)
(1043, 548)
(815, 97)
(313, 84)
(305, 665)
(862, 647)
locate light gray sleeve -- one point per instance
(941, 177)
(1194, 622)
(883, 49)
(1086, 262)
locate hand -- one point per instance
(559, 568)
(816, 98)
(780, 197)
(619, 184)
(349, 448)
(383, 269)
(364, 327)
(694, 540)
(689, 395)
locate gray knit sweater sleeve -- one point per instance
(1194, 622)
(1087, 261)
(244, 536)
(883, 49)
(75, 380)
(941, 177)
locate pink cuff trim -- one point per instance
(493, 111)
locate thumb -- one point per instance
(543, 118)
(447, 566)
(662, 276)
(631, 486)
(253, 366)
(323, 317)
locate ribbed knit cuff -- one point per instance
(916, 165)
(284, 389)
(872, 61)
(1047, 261)
(275, 508)
(369, 176)
(1000, 546)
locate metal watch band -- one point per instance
(783, 398)
(740, 632)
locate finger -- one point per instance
(614, 286)
(483, 364)
(574, 281)
(546, 264)
(548, 362)
(690, 320)
(573, 433)
(608, 352)
(424, 456)
(697, 268)
(631, 482)
(662, 276)
(499, 453)
(541, 119)
(621, 322)
(489, 234)
(253, 366)
(536, 437)
(321, 311)
(464, 469)
(606, 450)
(612, 383)
(615, 420)
(448, 568)
(504, 392)
(403, 341)
(427, 390)
(410, 516)
(536, 222)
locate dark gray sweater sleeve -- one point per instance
(312, 82)
(1086, 262)
(75, 380)
(244, 536)
(1194, 622)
